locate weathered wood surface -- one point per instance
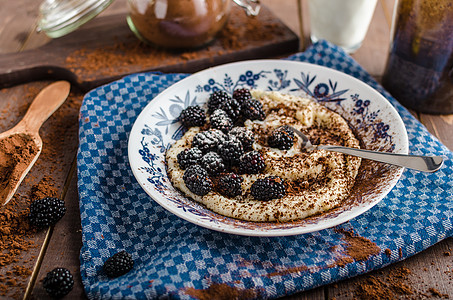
(60, 246)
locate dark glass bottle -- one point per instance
(419, 71)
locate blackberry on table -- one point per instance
(219, 119)
(244, 135)
(232, 108)
(282, 138)
(189, 157)
(118, 264)
(229, 185)
(252, 109)
(46, 212)
(231, 150)
(251, 163)
(216, 99)
(240, 95)
(192, 116)
(197, 180)
(212, 163)
(268, 188)
(208, 140)
(58, 282)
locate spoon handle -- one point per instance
(45, 104)
(416, 162)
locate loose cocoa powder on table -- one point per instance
(390, 287)
(122, 57)
(17, 238)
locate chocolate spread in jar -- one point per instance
(178, 23)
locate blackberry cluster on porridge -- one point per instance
(239, 158)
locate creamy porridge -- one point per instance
(275, 179)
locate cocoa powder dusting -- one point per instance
(395, 284)
(239, 32)
(358, 248)
(18, 240)
(221, 291)
(15, 239)
(392, 286)
(45, 188)
(16, 153)
(435, 292)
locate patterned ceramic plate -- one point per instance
(373, 118)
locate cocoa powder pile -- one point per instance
(392, 286)
(358, 248)
(395, 285)
(16, 153)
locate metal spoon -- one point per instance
(416, 162)
(44, 105)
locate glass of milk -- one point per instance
(342, 22)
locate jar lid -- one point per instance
(60, 17)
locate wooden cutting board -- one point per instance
(105, 49)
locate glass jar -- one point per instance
(177, 23)
(419, 71)
(60, 17)
(167, 23)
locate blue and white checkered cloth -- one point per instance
(172, 255)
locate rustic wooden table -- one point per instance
(430, 271)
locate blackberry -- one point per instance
(208, 140)
(240, 95)
(118, 264)
(216, 99)
(252, 109)
(232, 108)
(231, 150)
(268, 188)
(220, 120)
(58, 282)
(212, 163)
(282, 138)
(46, 212)
(245, 136)
(229, 185)
(197, 180)
(192, 116)
(251, 163)
(189, 157)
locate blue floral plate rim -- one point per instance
(375, 120)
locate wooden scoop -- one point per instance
(16, 165)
